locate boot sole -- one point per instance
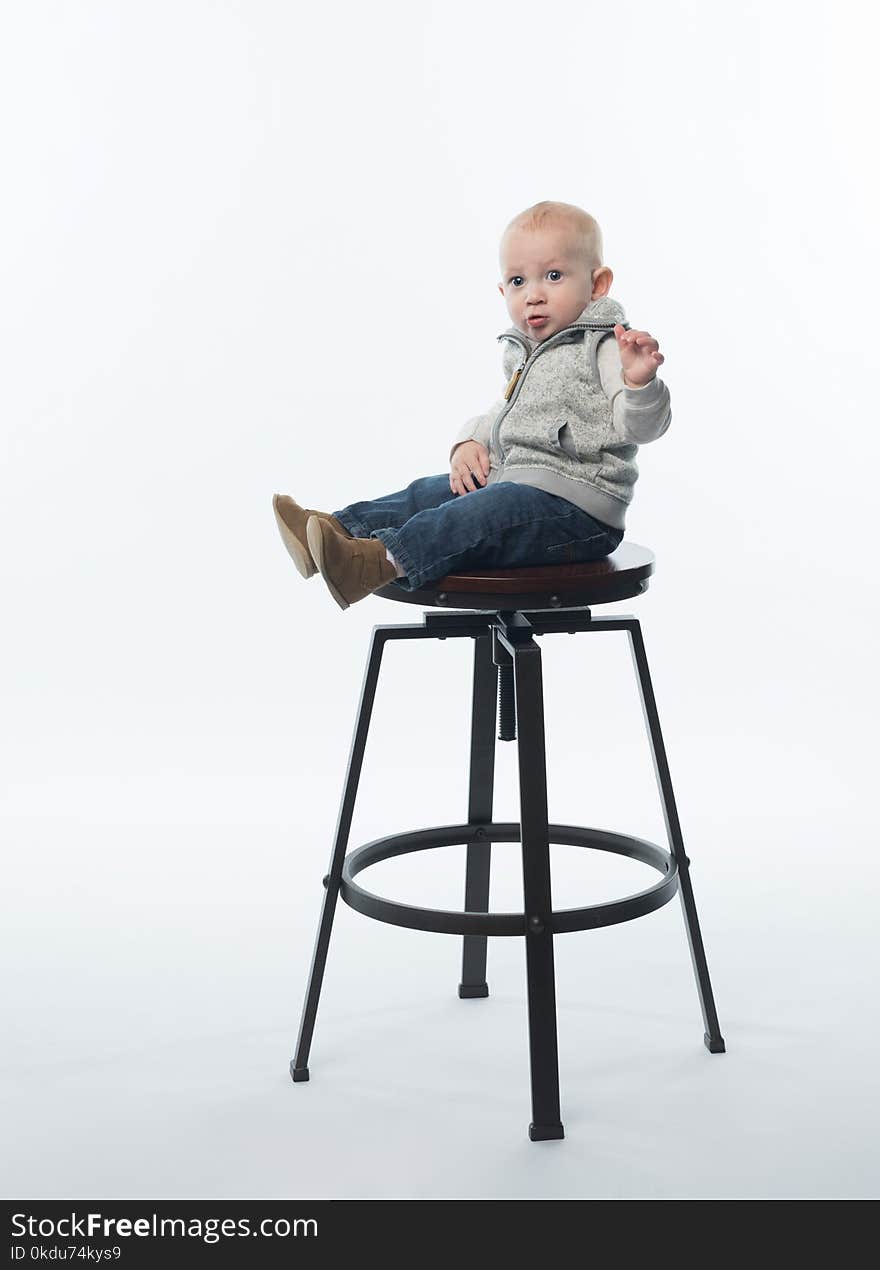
(297, 552)
(316, 547)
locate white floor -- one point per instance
(157, 977)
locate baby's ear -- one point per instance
(501, 287)
(601, 279)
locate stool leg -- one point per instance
(299, 1065)
(535, 834)
(712, 1037)
(480, 796)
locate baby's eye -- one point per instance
(559, 271)
(516, 277)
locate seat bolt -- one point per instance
(555, 601)
(325, 880)
(536, 926)
(442, 597)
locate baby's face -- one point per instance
(546, 283)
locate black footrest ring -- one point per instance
(445, 922)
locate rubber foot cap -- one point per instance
(473, 990)
(298, 1073)
(545, 1132)
(715, 1045)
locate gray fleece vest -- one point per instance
(555, 429)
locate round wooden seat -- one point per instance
(619, 576)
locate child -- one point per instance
(546, 474)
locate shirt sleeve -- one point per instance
(480, 427)
(639, 415)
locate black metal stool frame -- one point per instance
(505, 642)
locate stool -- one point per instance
(506, 611)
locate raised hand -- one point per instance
(640, 356)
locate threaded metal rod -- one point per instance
(506, 703)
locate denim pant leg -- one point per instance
(391, 511)
(504, 525)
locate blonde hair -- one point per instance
(583, 228)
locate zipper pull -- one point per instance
(513, 381)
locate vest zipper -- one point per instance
(511, 392)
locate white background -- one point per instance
(252, 247)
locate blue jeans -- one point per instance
(431, 531)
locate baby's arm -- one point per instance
(469, 459)
(479, 428)
(640, 414)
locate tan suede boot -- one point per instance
(351, 567)
(291, 520)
